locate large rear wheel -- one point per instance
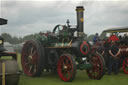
(32, 58)
(125, 65)
(66, 67)
(98, 69)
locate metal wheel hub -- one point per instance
(65, 67)
(31, 60)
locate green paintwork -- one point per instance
(84, 66)
(46, 39)
(59, 44)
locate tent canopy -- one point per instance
(123, 29)
(3, 21)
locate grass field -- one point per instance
(80, 79)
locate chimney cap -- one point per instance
(80, 8)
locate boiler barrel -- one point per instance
(11, 72)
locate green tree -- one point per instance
(7, 37)
(90, 37)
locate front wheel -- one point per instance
(98, 69)
(125, 65)
(66, 67)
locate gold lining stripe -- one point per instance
(79, 10)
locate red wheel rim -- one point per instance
(125, 65)
(97, 70)
(82, 46)
(29, 58)
(65, 68)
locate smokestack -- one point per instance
(80, 19)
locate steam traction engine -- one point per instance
(62, 51)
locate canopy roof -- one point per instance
(123, 29)
(3, 21)
(113, 30)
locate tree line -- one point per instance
(17, 40)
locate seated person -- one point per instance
(125, 36)
(125, 39)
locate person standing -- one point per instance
(96, 38)
(114, 52)
(101, 48)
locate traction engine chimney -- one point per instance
(80, 19)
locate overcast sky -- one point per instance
(32, 16)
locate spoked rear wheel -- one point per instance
(66, 68)
(98, 69)
(32, 58)
(125, 65)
